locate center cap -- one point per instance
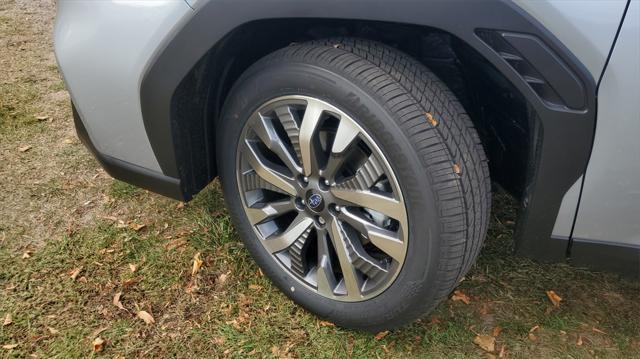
(315, 201)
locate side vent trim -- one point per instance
(545, 72)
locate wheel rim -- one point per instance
(322, 198)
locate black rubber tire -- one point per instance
(439, 162)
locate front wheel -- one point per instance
(355, 179)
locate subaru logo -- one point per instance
(315, 200)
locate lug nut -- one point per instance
(321, 220)
(305, 179)
(338, 208)
(327, 183)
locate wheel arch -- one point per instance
(186, 84)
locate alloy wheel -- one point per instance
(322, 198)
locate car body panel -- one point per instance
(610, 205)
(103, 48)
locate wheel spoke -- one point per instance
(300, 226)
(325, 278)
(270, 175)
(350, 276)
(308, 128)
(387, 241)
(270, 210)
(371, 200)
(268, 135)
(345, 136)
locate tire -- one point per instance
(432, 153)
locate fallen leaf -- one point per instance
(457, 169)
(146, 317)
(554, 298)
(180, 205)
(74, 273)
(175, 244)
(255, 287)
(431, 120)
(25, 148)
(53, 331)
(599, 331)
(486, 342)
(129, 282)
(68, 141)
(98, 344)
(381, 335)
(42, 118)
(579, 341)
(197, 264)
(137, 227)
(458, 295)
(490, 356)
(117, 302)
(503, 351)
(133, 267)
(496, 331)
(532, 336)
(9, 346)
(324, 323)
(8, 320)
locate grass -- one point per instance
(61, 214)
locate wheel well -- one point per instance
(504, 119)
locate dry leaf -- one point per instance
(175, 244)
(129, 282)
(53, 331)
(599, 331)
(579, 341)
(496, 331)
(197, 264)
(431, 120)
(133, 267)
(324, 323)
(146, 317)
(42, 118)
(74, 273)
(554, 298)
(8, 320)
(117, 302)
(458, 295)
(255, 287)
(68, 141)
(9, 346)
(25, 148)
(381, 335)
(486, 342)
(456, 169)
(98, 344)
(137, 227)
(180, 205)
(503, 351)
(26, 255)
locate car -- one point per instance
(357, 142)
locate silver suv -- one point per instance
(357, 141)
